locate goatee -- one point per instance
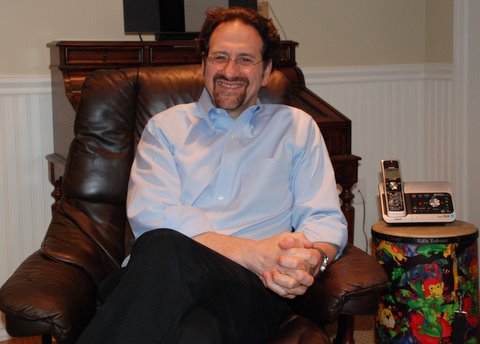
(229, 100)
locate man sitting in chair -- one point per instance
(233, 204)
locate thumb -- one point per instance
(295, 242)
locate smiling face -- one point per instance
(234, 87)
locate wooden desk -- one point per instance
(72, 61)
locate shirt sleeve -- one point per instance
(154, 191)
(316, 210)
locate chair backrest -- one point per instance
(112, 113)
(163, 87)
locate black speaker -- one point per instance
(243, 3)
(141, 16)
(172, 16)
(166, 18)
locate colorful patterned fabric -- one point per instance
(430, 280)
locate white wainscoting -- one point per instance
(25, 139)
(396, 111)
(399, 111)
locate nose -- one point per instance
(231, 67)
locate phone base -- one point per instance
(427, 203)
(420, 219)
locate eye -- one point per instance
(219, 58)
(245, 60)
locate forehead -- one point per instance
(237, 37)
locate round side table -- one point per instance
(433, 272)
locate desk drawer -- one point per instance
(162, 55)
(92, 55)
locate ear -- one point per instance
(203, 67)
(267, 71)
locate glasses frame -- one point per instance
(223, 63)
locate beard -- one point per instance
(229, 100)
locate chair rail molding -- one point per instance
(24, 84)
(363, 74)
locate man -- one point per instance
(215, 190)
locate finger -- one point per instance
(293, 293)
(269, 283)
(290, 285)
(289, 293)
(292, 262)
(303, 259)
(293, 281)
(305, 278)
(289, 243)
(284, 280)
(295, 240)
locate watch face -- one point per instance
(324, 260)
(324, 264)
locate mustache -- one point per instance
(232, 79)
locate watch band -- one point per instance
(325, 260)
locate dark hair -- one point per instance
(264, 26)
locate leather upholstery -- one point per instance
(54, 290)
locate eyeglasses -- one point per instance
(223, 59)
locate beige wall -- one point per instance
(349, 32)
(26, 26)
(439, 31)
(330, 32)
(367, 32)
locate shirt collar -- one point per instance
(219, 119)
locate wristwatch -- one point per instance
(325, 260)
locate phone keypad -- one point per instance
(429, 203)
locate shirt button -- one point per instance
(220, 198)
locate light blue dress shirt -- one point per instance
(198, 170)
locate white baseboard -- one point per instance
(364, 74)
(3, 333)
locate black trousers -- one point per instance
(175, 290)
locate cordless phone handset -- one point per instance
(393, 186)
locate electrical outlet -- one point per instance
(360, 187)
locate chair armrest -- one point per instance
(87, 234)
(352, 285)
(47, 297)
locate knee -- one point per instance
(161, 234)
(165, 252)
(200, 327)
(160, 243)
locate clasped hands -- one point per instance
(287, 264)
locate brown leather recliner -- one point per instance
(54, 291)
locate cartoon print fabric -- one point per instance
(430, 280)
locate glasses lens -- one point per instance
(245, 61)
(222, 59)
(218, 59)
